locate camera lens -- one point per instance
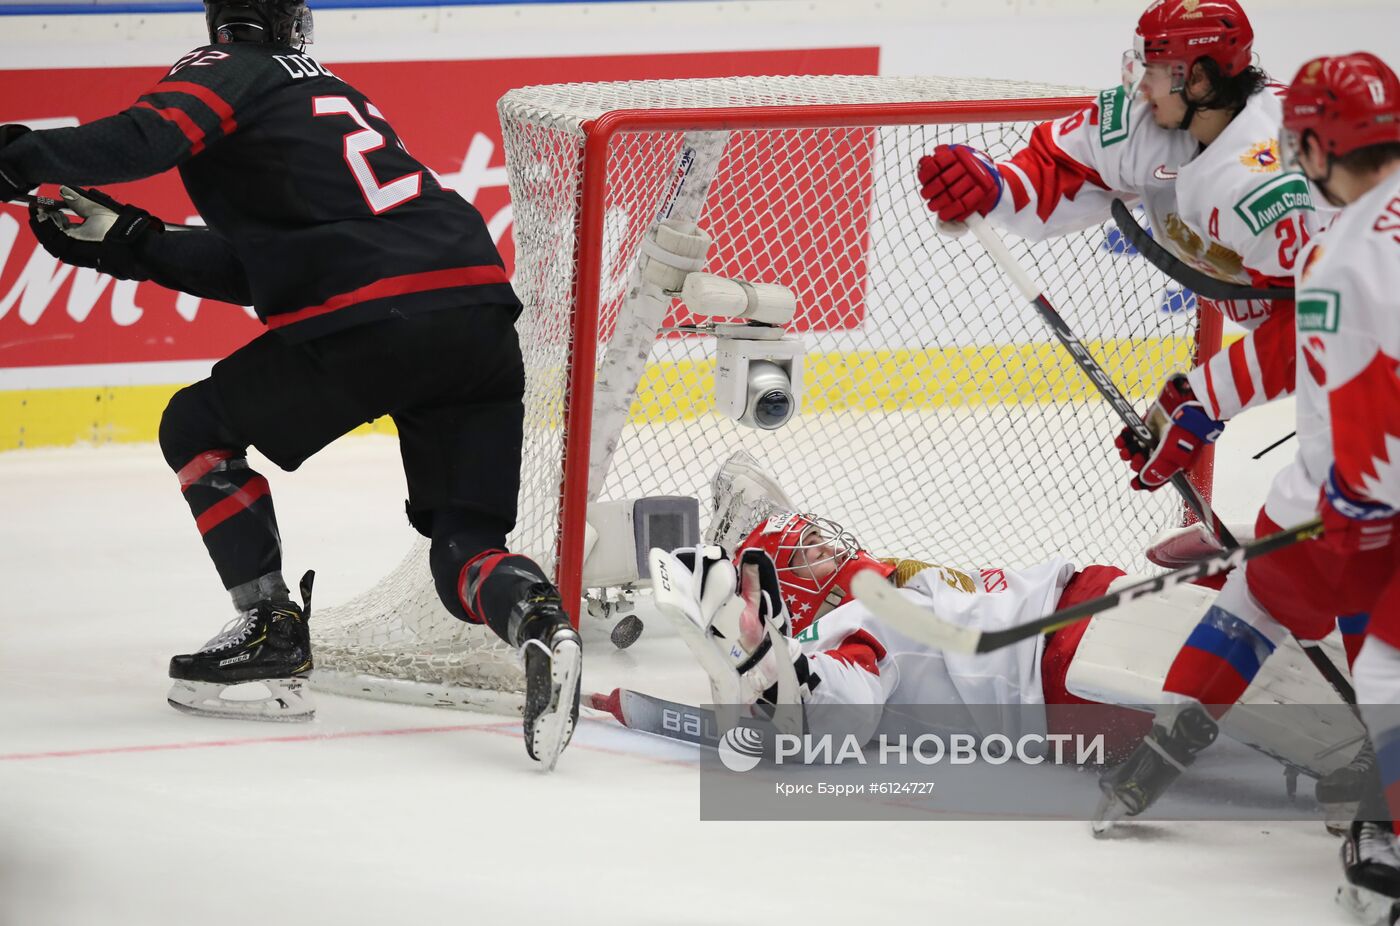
(772, 409)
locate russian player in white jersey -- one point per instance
(794, 571)
(851, 658)
(1192, 135)
(1342, 128)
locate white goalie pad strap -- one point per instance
(1125, 653)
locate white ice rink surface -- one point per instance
(115, 809)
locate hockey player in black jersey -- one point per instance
(385, 295)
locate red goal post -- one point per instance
(600, 134)
(940, 420)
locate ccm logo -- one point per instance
(1204, 40)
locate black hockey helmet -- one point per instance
(267, 22)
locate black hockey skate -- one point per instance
(1339, 792)
(269, 644)
(553, 656)
(1136, 784)
(1371, 872)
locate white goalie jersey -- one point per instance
(1227, 209)
(862, 661)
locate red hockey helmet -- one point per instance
(1178, 33)
(1347, 102)
(816, 559)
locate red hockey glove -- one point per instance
(1353, 525)
(958, 181)
(1183, 430)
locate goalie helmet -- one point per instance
(1178, 33)
(266, 22)
(815, 557)
(1347, 102)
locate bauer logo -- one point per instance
(1270, 202)
(741, 749)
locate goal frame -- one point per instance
(599, 134)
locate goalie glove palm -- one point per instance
(732, 622)
(106, 238)
(1183, 431)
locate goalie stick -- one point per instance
(919, 623)
(649, 714)
(1202, 284)
(1000, 253)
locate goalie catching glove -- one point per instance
(734, 623)
(1182, 430)
(106, 238)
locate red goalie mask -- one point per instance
(816, 559)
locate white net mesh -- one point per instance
(940, 419)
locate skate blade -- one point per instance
(555, 726)
(1106, 818)
(288, 701)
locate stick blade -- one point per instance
(895, 608)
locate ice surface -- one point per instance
(116, 809)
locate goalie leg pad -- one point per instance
(1125, 654)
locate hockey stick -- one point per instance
(1012, 267)
(1000, 253)
(659, 717)
(1202, 284)
(913, 620)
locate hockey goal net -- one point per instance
(939, 420)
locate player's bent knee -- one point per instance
(459, 536)
(189, 425)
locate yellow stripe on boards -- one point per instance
(874, 380)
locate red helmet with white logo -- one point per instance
(1181, 32)
(1347, 101)
(816, 559)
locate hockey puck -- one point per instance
(627, 631)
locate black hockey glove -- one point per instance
(106, 238)
(11, 184)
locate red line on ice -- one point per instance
(250, 741)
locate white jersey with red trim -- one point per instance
(1227, 209)
(861, 661)
(1349, 329)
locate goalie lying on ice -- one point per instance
(773, 626)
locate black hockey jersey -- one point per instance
(317, 215)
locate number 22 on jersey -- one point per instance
(381, 197)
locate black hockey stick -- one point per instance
(1101, 380)
(1208, 286)
(1202, 284)
(919, 623)
(1012, 267)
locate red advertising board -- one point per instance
(53, 315)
